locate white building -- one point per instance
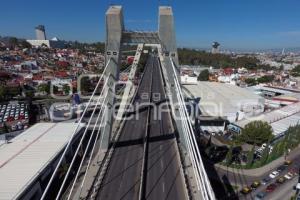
(227, 101)
(280, 119)
(28, 160)
(188, 80)
(53, 43)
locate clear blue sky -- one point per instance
(243, 24)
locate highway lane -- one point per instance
(163, 179)
(122, 179)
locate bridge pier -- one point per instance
(114, 29)
(168, 50)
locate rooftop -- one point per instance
(219, 99)
(25, 156)
(280, 119)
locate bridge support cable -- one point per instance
(89, 142)
(73, 134)
(195, 156)
(193, 146)
(81, 141)
(92, 152)
(191, 151)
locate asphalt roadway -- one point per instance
(123, 177)
(163, 178)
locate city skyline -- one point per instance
(235, 25)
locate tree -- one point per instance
(204, 75)
(266, 79)
(296, 71)
(281, 68)
(250, 157)
(44, 88)
(256, 132)
(265, 155)
(66, 88)
(229, 156)
(85, 84)
(3, 92)
(13, 42)
(29, 93)
(250, 81)
(26, 44)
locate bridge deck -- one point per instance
(163, 180)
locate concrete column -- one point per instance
(166, 32)
(114, 29)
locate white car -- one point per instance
(274, 174)
(288, 176)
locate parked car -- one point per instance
(271, 187)
(274, 174)
(294, 171)
(265, 181)
(281, 168)
(280, 180)
(246, 190)
(260, 196)
(288, 176)
(288, 162)
(255, 184)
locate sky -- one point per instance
(235, 24)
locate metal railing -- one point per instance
(202, 180)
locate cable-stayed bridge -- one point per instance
(141, 146)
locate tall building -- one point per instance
(41, 40)
(40, 32)
(215, 48)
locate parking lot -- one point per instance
(14, 116)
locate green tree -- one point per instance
(26, 44)
(296, 71)
(45, 87)
(13, 42)
(85, 84)
(66, 88)
(204, 75)
(229, 156)
(265, 155)
(3, 92)
(256, 132)
(250, 157)
(29, 94)
(250, 81)
(266, 79)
